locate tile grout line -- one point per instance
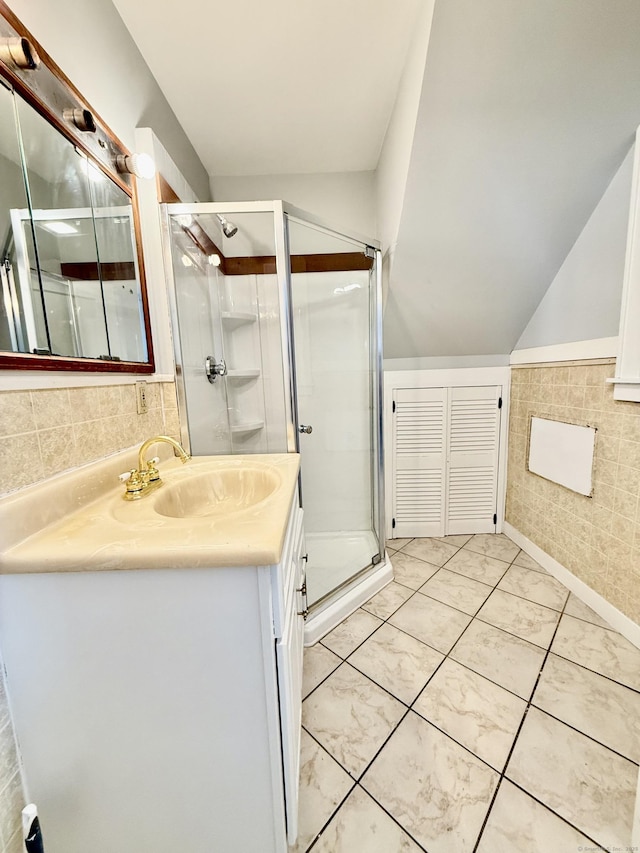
(517, 735)
(408, 710)
(595, 671)
(529, 703)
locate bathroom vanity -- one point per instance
(154, 660)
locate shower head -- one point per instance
(228, 228)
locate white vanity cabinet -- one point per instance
(159, 710)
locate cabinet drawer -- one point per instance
(286, 576)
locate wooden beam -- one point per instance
(88, 271)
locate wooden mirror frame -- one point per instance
(50, 92)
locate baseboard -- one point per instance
(627, 627)
(327, 618)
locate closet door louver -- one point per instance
(419, 454)
(473, 459)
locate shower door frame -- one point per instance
(280, 209)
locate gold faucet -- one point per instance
(145, 479)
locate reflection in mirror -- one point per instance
(72, 288)
(20, 304)
(118, 268)
(58, 182)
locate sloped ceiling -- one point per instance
(285, 86)
(527, 110)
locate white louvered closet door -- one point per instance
(419, 458)
(474, 439)
(446, 445)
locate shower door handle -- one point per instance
(307, 429)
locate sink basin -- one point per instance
(215, 511)
(224, 491)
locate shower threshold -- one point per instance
(335, 557)
(348, 583)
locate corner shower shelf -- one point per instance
(233, 319)
(243, 374)
(249, 426)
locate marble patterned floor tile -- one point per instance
(528, 562)
(457, 590)
(428, 620)
(318, 664)
(519, 823)
(576, 607)
(457, 539)
(585, 783)
(397, 544)
(361, 825)
(348, 635)
(605, 710)
(351, 717)
(388, 600)
(509, 661)
(410, 571)
(477, 566)
(495, 545)
(526, 620)
(534, 586)
(432, 550)
(599, 649)
(323, 785)
(436, 790)
(396, 661)
(473, 711)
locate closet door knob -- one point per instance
(307, 429)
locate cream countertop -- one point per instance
(112, 534)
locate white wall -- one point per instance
(583, 300)
(393, 165)
(93, 47)
(346, 200)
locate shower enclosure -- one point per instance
(276, 322)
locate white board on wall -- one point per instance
(562, 453)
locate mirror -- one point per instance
(71, 280)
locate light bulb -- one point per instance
(140, 165)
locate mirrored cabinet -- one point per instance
(72, 290)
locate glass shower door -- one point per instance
(333, 287)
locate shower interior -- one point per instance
(276, 323)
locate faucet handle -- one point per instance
(151, 474)
(135, 484)
(125, 475)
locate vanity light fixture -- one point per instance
(214, 260)
(186, 261)
(19, 53)
(185, 220)
(140, 165)
(82, 119)
(60, 227)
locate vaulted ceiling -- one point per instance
(285, 86)
(527, 109)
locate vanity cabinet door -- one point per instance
(289, 650)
